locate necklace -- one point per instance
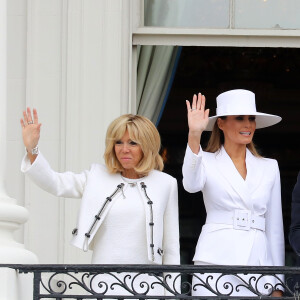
(131, 182)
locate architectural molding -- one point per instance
(216, 37)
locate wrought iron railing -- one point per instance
(160, 282)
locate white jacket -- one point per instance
(96, 185)
(229, 199)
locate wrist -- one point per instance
(195, 134)
(34, 150)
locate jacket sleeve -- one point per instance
(67, 184)
(294, 235)
(274, 222)
(171, 239)
(193, 171)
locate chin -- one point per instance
(246, 142)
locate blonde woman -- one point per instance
(129, 208)
(241, 192)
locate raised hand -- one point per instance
(197, 120)
(197, 115)
(30, 129)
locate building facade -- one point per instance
(79, 62)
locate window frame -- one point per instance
(146, 35)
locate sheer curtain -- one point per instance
(156, 70)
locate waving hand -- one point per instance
(197, 120)
(30, 131)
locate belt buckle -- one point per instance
(242, 219)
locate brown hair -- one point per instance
(216, 140)
(142, 131)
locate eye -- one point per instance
(118, 142)
(239, 118)
(252, 118)
(132, 143)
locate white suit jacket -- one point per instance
(225, 191)
(96, 184)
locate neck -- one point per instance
(131, 174)
(235, 151)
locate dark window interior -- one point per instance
(273, 74)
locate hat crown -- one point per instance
(236, 102)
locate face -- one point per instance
(128, 152)
(238, 129)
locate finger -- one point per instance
(35, 116)
(199, 101)
(29, 117)
(203, 100)
(188, 105)
(22, 123)
(194, 105)
(25, 117)
(206, 113)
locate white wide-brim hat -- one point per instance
(237, 103)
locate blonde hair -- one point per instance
(216, 140)
(142, 131)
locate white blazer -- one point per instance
(96, 184)
(244, 217)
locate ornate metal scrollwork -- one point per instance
(160, 282)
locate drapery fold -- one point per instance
(156, 68)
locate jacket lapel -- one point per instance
(233, 177)
(254, 177)
(102, 206)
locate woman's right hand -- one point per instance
(30, 129)
(197, 115)
(197, 121)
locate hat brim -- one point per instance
(262, 120)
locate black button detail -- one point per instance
(75, 231)
(150, 202)
(97, 217)
(87, 235)
(151, 245)
(151, 223)
(108, 198)
(160, 252)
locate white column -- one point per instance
(11, 214)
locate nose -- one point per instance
(125, 148)
(247, 123)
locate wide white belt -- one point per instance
(240, 219)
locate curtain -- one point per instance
(155, 74)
